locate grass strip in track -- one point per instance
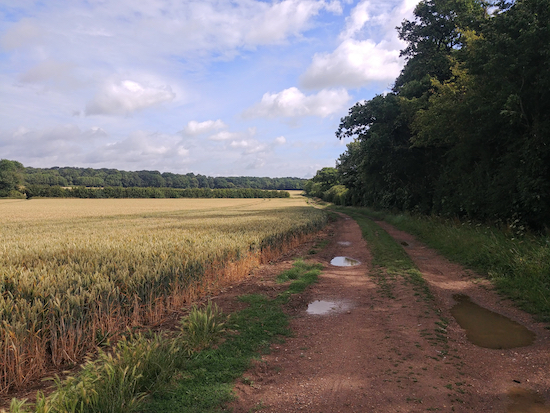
(389, 258)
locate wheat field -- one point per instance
(74, 272)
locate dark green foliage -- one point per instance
(104, 177)
(380, 167)
(433, 35)
(151, 192)
(11, 177)
(466, 130)
(326, 185)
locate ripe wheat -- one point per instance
(73, 272)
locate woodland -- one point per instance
(465, 130)
(17, 181)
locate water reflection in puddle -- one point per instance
(344, 243)
(344, 262)
(321, 307)
(487, 329)
(526, 401)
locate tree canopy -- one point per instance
(11, 177)
(465, 130)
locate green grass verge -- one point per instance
(517, 264)
(208, 378)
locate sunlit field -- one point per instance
(75, 272)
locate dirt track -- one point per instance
(390, 349)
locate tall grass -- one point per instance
(517, 263)
(202, 327)
(75, 272)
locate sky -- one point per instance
(213, 87)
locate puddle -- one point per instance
(320, 307)
(344, 262)
(344, 243)
(526, 401)
(488, 329)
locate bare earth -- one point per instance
(389, 349)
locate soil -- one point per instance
(389, 347)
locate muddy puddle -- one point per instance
(322, 307)
(344, 262)
(526, 401)
(344, 243)
(488, 329)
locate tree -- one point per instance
(436, 33)
(11, 177)
(326, 177)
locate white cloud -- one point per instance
(46, 70)
(195, 128)
(234, 136)
(368, 51)
(239, 144)
(223, 136)
(181, 151)
(257, 148)
(202, 61)
(353, 64)
(52, 73)
(256, 164)
(281, 19)
(166, 27)
(292, 102)
(356, 20)
(127, 96)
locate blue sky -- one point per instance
(220, 88)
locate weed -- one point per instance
(259, 406)
(303, 274)
(248, 381)
(202, 327)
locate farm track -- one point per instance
(391, 348)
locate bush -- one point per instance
(337, 194)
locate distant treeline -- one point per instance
(138, 192)
(89, 177)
